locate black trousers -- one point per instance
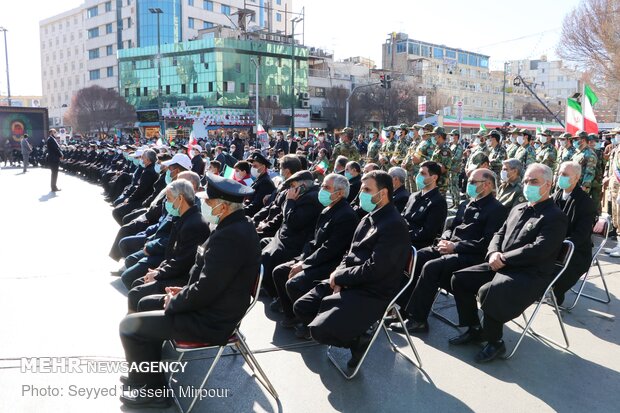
(127, 230)
(133, 215)
(142, 336)
(121, 210)
(54, 168)
(338, 319)
(141, 292)
(291, 290)
(579, 265)
(270, 261)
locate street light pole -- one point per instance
(6, 56)
(346, 119)
(293, 100)
(256, 89)
(504, 92)
(158, 12)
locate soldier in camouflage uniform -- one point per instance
(457, 151)
(547, 154)
(372, 154)
(510, 191)
(513, 146)
(345, 148)
(424, 149)
(526, 153)
(443, 156)
(401, 146)
(567, 150)
(586, 158)
(597, 184)
(497, 154)
(481, 148)
(407, 163)
(612, 182)
(387, 148)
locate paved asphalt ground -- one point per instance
(59, 300)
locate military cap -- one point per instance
(374, 130)
(256, 156)
(455, 132)
(179, 159)
(227, 189)
(479, 158)
(494, 134)
(416, 126)
(565, 135)
(428, 127)
(514, 130)
(592, 136)
(299, 176)
(438, 130)
(403, 126)
(546, 132)
(526, 131)
(481, 133)
(580, 135)
(613, 131)
(346, 131)
(321, 133)
(390, 128)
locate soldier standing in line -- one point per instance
(512, 148)
(612, 183)
(480, 148)
(407, 163)
(443, 156)
(387, 148)
(497, 154)
(345, 148)
(587, 159)
(547, 155)
(526, 153)
(597, 184)
(567, 150)
(401, 146)
(457, 151)
(372, 155)
(424, 150)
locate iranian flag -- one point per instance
(574, 116)
(262, 137)
(190, 144)
(483, 129)
(229, 173)
(589, 120)
(321, 167)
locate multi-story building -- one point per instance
(79, 47)
(549, 79)
(448, 74)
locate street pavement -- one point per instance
(60, 300)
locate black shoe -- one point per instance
(302, 331)
(412, 326)
(491, 351)
(138, 398)
(559, 297)
(472, 335)
(126, 381)
(358, 348)
(117, 273)
(289, 322)
(276, 306)
(56, 190)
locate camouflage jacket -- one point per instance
(400, 152)
(587, 159)
(527, 155)
(372, 155)
(348, 150)
(510, 194)
(457, 157)
(425, 150)
(387, 149)
(481, 149)
(547, 155)
(511, 150)
(443, 156)
(496, 157)
(408, 161)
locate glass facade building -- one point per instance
(212, 73)
(170, 22)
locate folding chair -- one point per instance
(434, 312)
(392, 307)
(236, 340)
(562, 263)
(601, 229)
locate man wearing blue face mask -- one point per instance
(340, 311)
(586, 158)
(520, 265)
(567, 150)
(547, 155)
(353, 172)
(581, 212)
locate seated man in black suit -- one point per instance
(212, 303)
(462, 245)
(581, 212)
(401, 195)
(332, 238)
(353, 172)
(340, 311)
(521, 264)
(427, 209)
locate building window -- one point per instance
(110, 71)
(93, 54)
(92, 33)
(450, 54)
(413, 48)
(190, 22)
(174, 61)
(137, 91)
(183, 89)
(319, 92)
(126, 92)
(129, 22)
(229, 86)
(242, 88)
(463, 58)
(108, 6)
(238, 67)
(210, 86)
(278, 17)
(207, 5)
(225, 9)
(108, 28)
(93, 74)
(92, 12)
(207, 25)
(190, 3)
(167, 89)
(195, 88)
(437, 53)
(401, 47)
(146, 91)
(109, 50)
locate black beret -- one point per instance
(259, 157)
(226, 189)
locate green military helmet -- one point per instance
(479, 159)
(525, 131)
(494, 134)
(514, 130)
(455, 132)
(592, 137)
(438, 130)
(403, 126)
(428, 127)
(580, 134)
(416, 126)
(565, 135)
(390, 129)
(374, 130)
(546, 132)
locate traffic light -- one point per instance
(386, 81)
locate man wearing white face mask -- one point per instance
(263, 185)
(481, 148)
(547, 154)
(526, 153)
(510, 191)
(586, 158)
(511, 150)
(567, 150)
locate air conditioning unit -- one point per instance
(305, 95)
(181, 103)
(305, 104)
(275, 98)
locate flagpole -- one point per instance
(583, 100)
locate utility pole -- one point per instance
(346, 121)
(504, 92)
(158, 12)
(257, 64)
(293, 99)
(6, 56)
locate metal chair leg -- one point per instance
(580, 292)
(204, 381)
(418, 364)
(172, 373)
(261, 377)
(440, 316)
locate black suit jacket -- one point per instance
(53, 151)
(355, 184)
(332, 238)
(271, 215)
(198, 165)
(188, 232)
(425, 215)
(218, 292)
(581, 212)
(378, 255)
(400, 198)
(145, 184)
(263, 186)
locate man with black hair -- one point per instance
(353, 172)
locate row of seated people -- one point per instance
(332, 266)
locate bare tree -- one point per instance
(97, 109)
(267, 109)
(387, 106)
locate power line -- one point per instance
(518, 38)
